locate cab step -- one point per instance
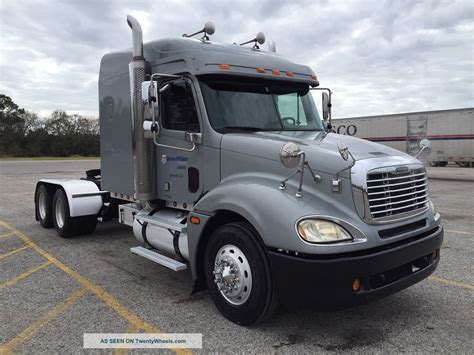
(159, 258)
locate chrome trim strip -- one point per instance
(400, 217)
(396, 184)
(399, 208)
(404, 189)
(398, 202)
(384, 198)
(88, 194)
(398, 177)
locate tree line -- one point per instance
(24, 134)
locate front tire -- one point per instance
(238, 275)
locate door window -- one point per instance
(179, 110)
(291, 109)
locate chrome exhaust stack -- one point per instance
(142, 148)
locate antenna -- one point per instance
(208, 29)
(272, 46)
(259, 38)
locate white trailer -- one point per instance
(451, 133)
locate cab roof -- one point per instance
(196, 57)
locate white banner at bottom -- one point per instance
(142, 341)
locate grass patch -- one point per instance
(74, 157)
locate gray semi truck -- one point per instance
(215, 155)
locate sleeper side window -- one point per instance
(178, 108)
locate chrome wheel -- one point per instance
(59, 213)
(42, 200)
(232, 274)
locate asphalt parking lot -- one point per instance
(52, 290)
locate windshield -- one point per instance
(263, 105)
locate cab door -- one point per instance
(179, 172)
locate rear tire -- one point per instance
(63, 222)
(238, 275)
(68, 226)
(43, 206)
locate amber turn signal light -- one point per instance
(356, 285)
(195, 220)
(224, 66)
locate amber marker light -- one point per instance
(275, 72)
(356, 285)
(302, 233)
(290, 74)
(261, 70)
(314, 77)
(224, 66)
(195, 220)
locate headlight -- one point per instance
(433, 207)
(322, 231)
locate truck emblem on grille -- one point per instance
(401, 169)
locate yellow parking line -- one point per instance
(102, 294)
(25, 274)
(132, 318)
(451, 283)
(460, 232)
(6, 234)
(122, 351)
(33, 328)
(3, 256)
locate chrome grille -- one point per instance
(393, 193)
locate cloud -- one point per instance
(377, 56)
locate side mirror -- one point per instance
(425, 148)
(150, 93)
(150, 99)
(326, 103)
(291, 155)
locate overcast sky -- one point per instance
(377, 56)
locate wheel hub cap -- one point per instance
(60, 213)
(232, 274)
(42, 205)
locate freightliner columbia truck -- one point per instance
(215, 155)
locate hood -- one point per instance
(320, 147)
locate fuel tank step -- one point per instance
(159, 258)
